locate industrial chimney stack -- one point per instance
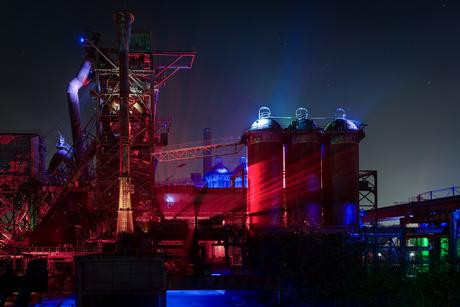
(207, 160)
(125, 213)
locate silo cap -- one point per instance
(305, 124)
(340, 122)
(265, 124)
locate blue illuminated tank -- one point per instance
(218, 176)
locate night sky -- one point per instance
(393, 65)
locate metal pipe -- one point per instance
(80, 80)
(125, 213)
(124, 20)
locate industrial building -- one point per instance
(97, 211)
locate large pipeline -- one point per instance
(80, 80)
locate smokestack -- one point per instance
(125, 213)
(124, 20)
(207, 160)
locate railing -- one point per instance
(179, 181)
(431, 195)
(435, 194)
(70, 251)
(65, 250)
(204, 143)
(35, 131)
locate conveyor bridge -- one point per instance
(200, 149)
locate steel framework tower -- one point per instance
(22, 172)
(125, 89)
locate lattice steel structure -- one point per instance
(148, 71)
(201, 149)
(22, 172)
(368, 193)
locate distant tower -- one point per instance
(207, 160)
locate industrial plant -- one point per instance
(96, 222)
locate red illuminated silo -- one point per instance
(303, 172)
(264, 141)
(340, 172)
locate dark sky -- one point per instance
(393, 65)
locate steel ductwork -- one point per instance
(80, 80)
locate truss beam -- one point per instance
(218, 147)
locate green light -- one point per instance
(32, 218)
(444, 248)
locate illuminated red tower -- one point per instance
(303, 171)
(341, 172)
(264, 141)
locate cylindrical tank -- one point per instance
(303, 172)
(264, 142)
(341, 172)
